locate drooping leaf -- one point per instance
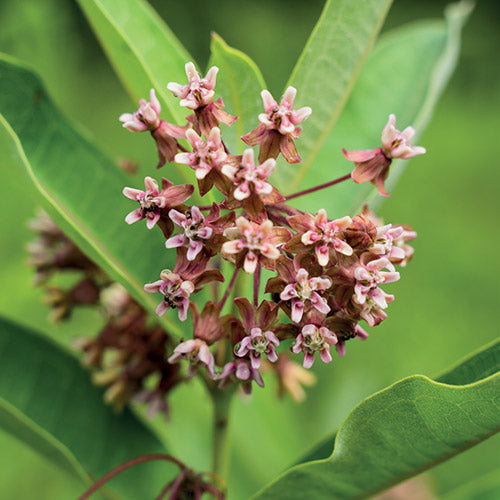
(80, 186)
(405, 75)
(48, 402)
(141, 47)
(326, 71)
(239, 83)
(401, 431)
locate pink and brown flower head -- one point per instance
(316, 231)
(147, 117)
(251, 243)
(198, 95)
(373, 165)
(259, 336)
(153, 202)
(197, 353)
(278, 127)
(313, 338)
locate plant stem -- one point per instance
(229, 288)
(317, 188)
(256, 285)
(220, 459)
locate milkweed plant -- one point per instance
(256, 287)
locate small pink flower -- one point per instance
(240, 370)
(199, 91)
(205, 155)
(369, 275)
(147, 117)
(153, 202)
(396, 144)
(195, 230)
(373, 165)
(384, 242)
(304, 290)
(175, 291)
(399, 242)
(258, 343)
(197, 353)
(252, 242)
(248, 178)
(198, 95)
(311, 339)
(323, 234)
(277, 127)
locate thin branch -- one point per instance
(229, 288)
(317, 188)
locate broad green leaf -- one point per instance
(239, 83)
(80, 186)
(405, 74)
(142, 49)
(401, 431)
(326, 71)
(48, 402)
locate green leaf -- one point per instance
(239, 83)
(141, 47)
(405, 75)
(80, 186)
(48, 402)
(326, 71)
(401, 431)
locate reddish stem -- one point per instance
(127, 465)
(317, 188)
(229, 288)
(256, 285)
(164, 490)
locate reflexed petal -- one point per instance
(360, 155)
(325, 355)
(134, 216)
(178, 240)
(342, 247)
(234, 246)
(297, 310)
(194, 249)
(308, 360)
(322, 254)
(250, 264)
(133, 194)
(177, 217)
(162, 308)
(268, 101)
(152, 219)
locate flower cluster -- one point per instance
(328, 275)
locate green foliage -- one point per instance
(327, 69)
(419, 58)
(79, 184)
(239, 83)
(48, 401)
(402, 431)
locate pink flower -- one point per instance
(251, 189)
(176, 286)
(369, 275)
(384, 242)
(175, 291)
(304, 290)
(199, 91)
(197, 353)
(321, 233)
(153, 202)
(205, 155)
(147, 117)
(258, 343)
(311, 339)
(240, 370)
(277, 127)
(373, 165)
(248, 178)
(251, 242)
(195, 230)
(198, 95)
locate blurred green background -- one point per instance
(448, 295)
